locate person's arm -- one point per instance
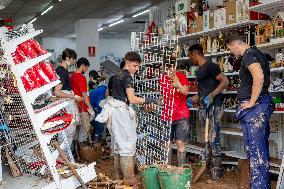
(132, 98)
(86, 100)
(224, 82)
(258, 80)
(181, 84)
(58, 92)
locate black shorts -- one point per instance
(179, 130)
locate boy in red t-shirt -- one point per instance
(175, 88)
(79, 86)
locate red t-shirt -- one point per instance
(78, 84)
(174, 99)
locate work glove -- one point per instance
(208, 100)
(91, 112)
(154, 100)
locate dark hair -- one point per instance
(93, 74)
(197, 48)
(122, 64)
(233, 36)
(69, 53)
(82, 61)
(133, 57)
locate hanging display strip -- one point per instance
(19, 144)
(154, 122)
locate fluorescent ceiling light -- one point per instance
(100, 28)
(46, 10)
(140, 13)
(115, 23)
(32, 21)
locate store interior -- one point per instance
(34, 34)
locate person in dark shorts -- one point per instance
(211, 82)
(176, 83)
(254, 109)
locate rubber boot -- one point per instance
(170, 156)
(181, 158)
(117, 173)
(127, 168)
(216, 171)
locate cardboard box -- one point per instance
(239, 10)
(197, 26)
(206, 20)
(230, 11)
(183, 6)
(211, 20)
(220, 18)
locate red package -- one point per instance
(33, 77)
(29, 52)
(49, 71)
(40, 76)
(37, 47)
(28, 83)
(18, 56)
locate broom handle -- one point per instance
(86, 126)
(71, 167)
(206, 125)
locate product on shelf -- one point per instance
(276, 85)
(48, 70)
(57, 123)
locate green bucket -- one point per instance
(174, 179)
(150, 177)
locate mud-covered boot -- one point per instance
(216, 170)
(117, 173)
(181, 158)
(170, 156)
(127, 168)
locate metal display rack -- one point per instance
(25, 122)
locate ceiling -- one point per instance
(60, 21)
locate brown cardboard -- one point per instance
(211, 20)
(199, 23)
(230, 11)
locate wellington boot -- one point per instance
(127, 168)
(117, 173)
(170, 157)
(181, 158)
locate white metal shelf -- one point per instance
(22, 67)
(217, 54)
(36, 92)
(44, 113)
(193, 93)
(13, 43)
(235, 154)
(273, 44)
(279, 69)
(231, 131)
(269, 7)
(216, 30)
(191, 77)
(229, 92)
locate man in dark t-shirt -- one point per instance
(211, 82)
(123, 128)
(255, 108)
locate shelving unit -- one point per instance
(37, 117)
(270, 7)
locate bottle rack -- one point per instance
(153, 132)
(37, 117)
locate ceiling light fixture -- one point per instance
(46, 10)
(33, 20)
(115, 23)
(100, 28)
(140, 13)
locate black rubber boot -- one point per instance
(216, 170)
(181, 158)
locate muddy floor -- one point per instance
(229, 181)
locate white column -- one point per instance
(87, 35)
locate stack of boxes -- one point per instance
(192, 16)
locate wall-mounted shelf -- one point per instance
(195, 36)
(269, 7)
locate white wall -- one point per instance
(119, 47)
(58, 45)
